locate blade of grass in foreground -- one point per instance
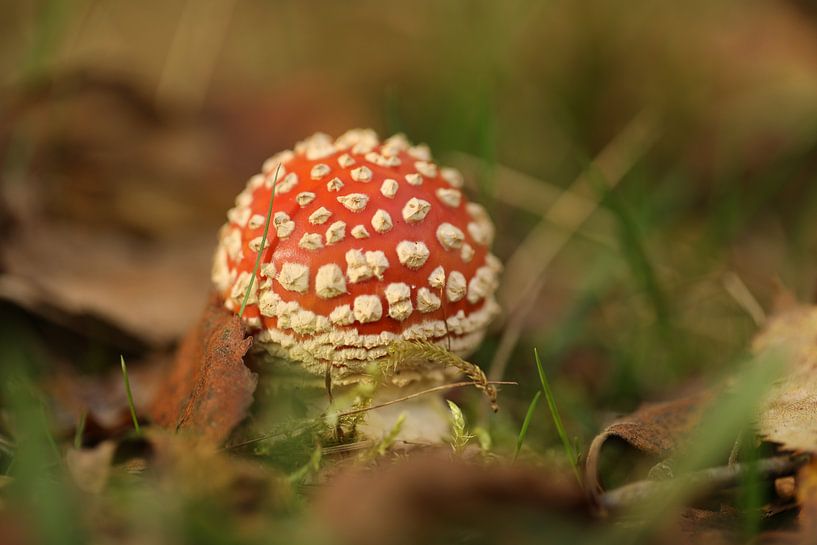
(557, 419)
(525, 423)
(263, 243)
(38, 488)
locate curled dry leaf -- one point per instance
(418, 497)
(655, 429)
(788, 415)
(209, 389)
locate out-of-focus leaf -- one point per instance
(110, 206)
(427, 495)
(788, 415)
(86, 280)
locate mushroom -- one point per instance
(369, 242)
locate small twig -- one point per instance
(424, 392)
(347, 447)
(715, 478)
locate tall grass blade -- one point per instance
(263, 243)
(557, 419)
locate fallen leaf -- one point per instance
(788, 415)
(209, 389)
(108, 220)
(655, 429)
(426, 495)
(78, 278)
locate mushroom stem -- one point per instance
(427, 418)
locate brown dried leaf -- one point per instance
(108, 220)
(75, 276)
(788, 415)
(655, 429)
(209, 388)
(416, 497)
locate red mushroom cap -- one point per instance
(368, 242)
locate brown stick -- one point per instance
(715, 478)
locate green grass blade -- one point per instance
(750, 497)
(130, 396)
(263, 243)
(525, 423)
(557, 419)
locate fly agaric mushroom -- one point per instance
(368, 242)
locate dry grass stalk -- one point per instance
(430, 352)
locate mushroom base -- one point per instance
(426, 420)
